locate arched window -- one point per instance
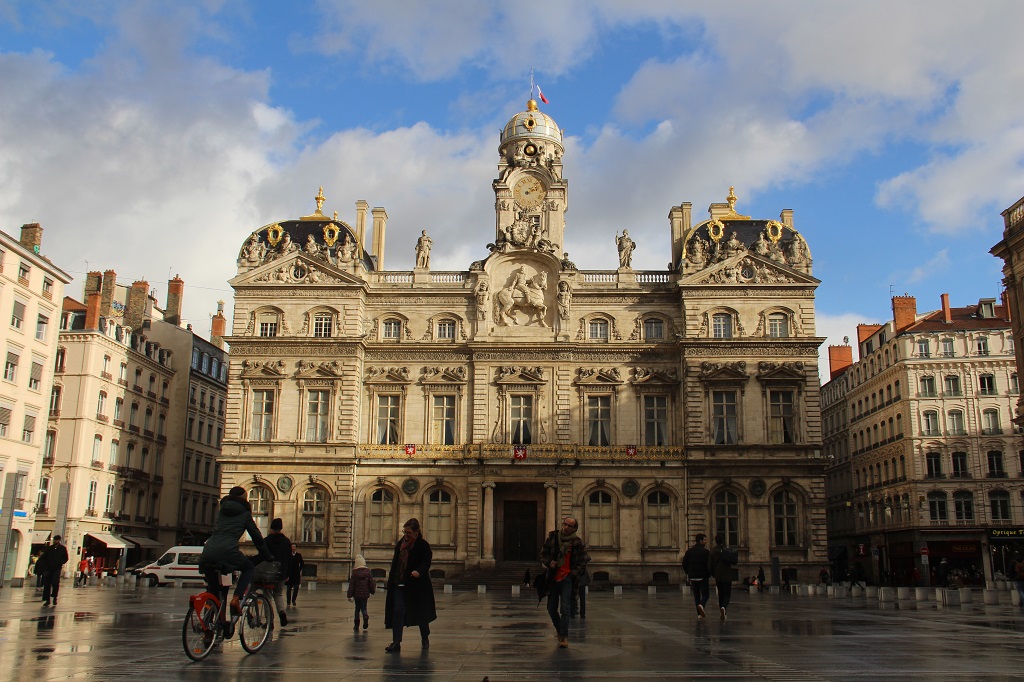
(322, 325)
(259, 499)
(314, 516)
(963, 505)
(1000, 505)
(727, 516)
(990, 422)
(654, 329)
(599, 329)
(392, 329)
(658, 521)
(930, 423)
(381, 517)
(599, 519)
(937, 507)
(446, 330)
(439, 517)
(721, 326)
(778, 325)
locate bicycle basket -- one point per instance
(267, 572)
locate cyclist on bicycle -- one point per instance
(221, 553)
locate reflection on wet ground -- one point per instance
(135, 633)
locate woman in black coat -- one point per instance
(410, 599)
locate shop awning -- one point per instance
(142, 541)
(111, 541)
(40, 536)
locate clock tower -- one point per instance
(530, 195)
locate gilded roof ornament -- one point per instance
(732, 214)
(319, 198)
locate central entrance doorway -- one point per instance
(519, 539)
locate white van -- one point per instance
(178, 563)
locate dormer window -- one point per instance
(268, 324)
(987, 308)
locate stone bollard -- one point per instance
(685, 589)
(886, 594)
(17, 582)
(856, 591)
(1001, 584)
(990, 596)
(1015, 598)
(752, 589)
(311, 585)
(481, 589)
(966, 597)
(922, 593)
(802, 591)
(773, 589)
(950, 598)
(938, 593)
(821, 590)
(515, 590)
(617, 590)
(904, 593)
(179, 583)
(841, 592)
(447, 589)
(871, 592)
(651, 589)
(830, 590)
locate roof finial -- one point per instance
(319, 198)
(732, 198)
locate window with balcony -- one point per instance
(521, 419)
(951, 385)
(999, 501)
(388, 419)
(955, 423)
(963, 505)
(933, 462)
(960, 469)
(990, 422)
(923, 348)
(926, 387)
(947, 348)
(981, 345)
(987, 384)
(442, 421)
(995, 464)
(655, 419)
(599, 417)
(930, 423)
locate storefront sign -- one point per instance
(1006, 533)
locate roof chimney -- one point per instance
(135, 309)
(947, 314)
(108, 290)
(218, 326)
(380, 224)
(361, 207)
(175, 291)
(92, 311)
(839, 359)
(93, 281)
(32, 236)
(904, 312)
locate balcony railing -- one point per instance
(106, 375)
(47, 460)
(102, 418)
(97, 464)
(997, 474)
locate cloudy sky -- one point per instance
(153, 137)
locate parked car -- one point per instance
(177, 563)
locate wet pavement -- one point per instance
(135, 633)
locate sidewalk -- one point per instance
(135, 633)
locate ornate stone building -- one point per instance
(490, 402)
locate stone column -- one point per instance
(550, 512)
(488, 521)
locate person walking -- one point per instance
(410, 599)
(360, 586)
(1017, 576)
(722, 571)
(281, 547)
(221, 552)
(564, 557)
(582, 584)
(696, 567)
(53, 559)
(295, 564)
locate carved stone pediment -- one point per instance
(652, 376)
(749, 269)
(296, 268)
(315, 370)
(262, 368)
(520, 375)
(387, 375)
(723, 371)
(780, 371)
(444, 375)
(599, 376)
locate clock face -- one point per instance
(529, 192)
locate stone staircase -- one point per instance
(501, 578)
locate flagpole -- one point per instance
(532, 86)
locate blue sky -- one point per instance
(152, 137)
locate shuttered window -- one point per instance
(35, 376)
(5, 419)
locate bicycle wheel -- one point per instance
(198, 632)
(254, 624)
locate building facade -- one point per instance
(31, 289)
(490, 402)
(926, 464)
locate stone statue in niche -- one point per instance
(254, 250)
(625, 246)
(481, 301)
(564, 300)
(423, 246)
(524, 293)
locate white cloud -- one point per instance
(936, 265)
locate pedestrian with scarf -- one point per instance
(410, 599)
(565, 558)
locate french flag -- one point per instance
(542, 97)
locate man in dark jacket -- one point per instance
(410, 599)
(281, 547)
(53, 559)
(695, 565)
(221, 553)
(295, 564)
(722, 572)
(564, 557)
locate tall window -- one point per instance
(392, 329)
(995, 464)
(18, 315)
(316, 416)
(658, 520)
(11, 366)
(43, 495)
(1000, 505)
(955, 422)
(101, 403)
(599, 330)
(947, 348)
(963, 505)
(388, 407)
(97, 447)
(262, 414)
(599, 419)
(784, 518)
(381, 517)
(923, 348)
(933, 461)
(112, 458)
(987, 384)
(314, 516)
(960, 469)
(727, 516)
(655, 420)
(724, 425)
(446, 330)
(108, 505)
(654, 329)
(937, 506)
(439, 517)
(927, 386)
(50, 444)
(951, 385)
(990, 422)
(29, 430)
(522, 419)
(930, 423)
(778, 325)
(981, 345)
(781, 419)
(259, 498)
(442, 423)
(35, 376)
(42, 325)
(721, 326)
(599, 519)
(91, 503)
(268, 327)
(322, 325)
(5, 417)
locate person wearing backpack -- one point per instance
(696, 566)
(721, 562)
